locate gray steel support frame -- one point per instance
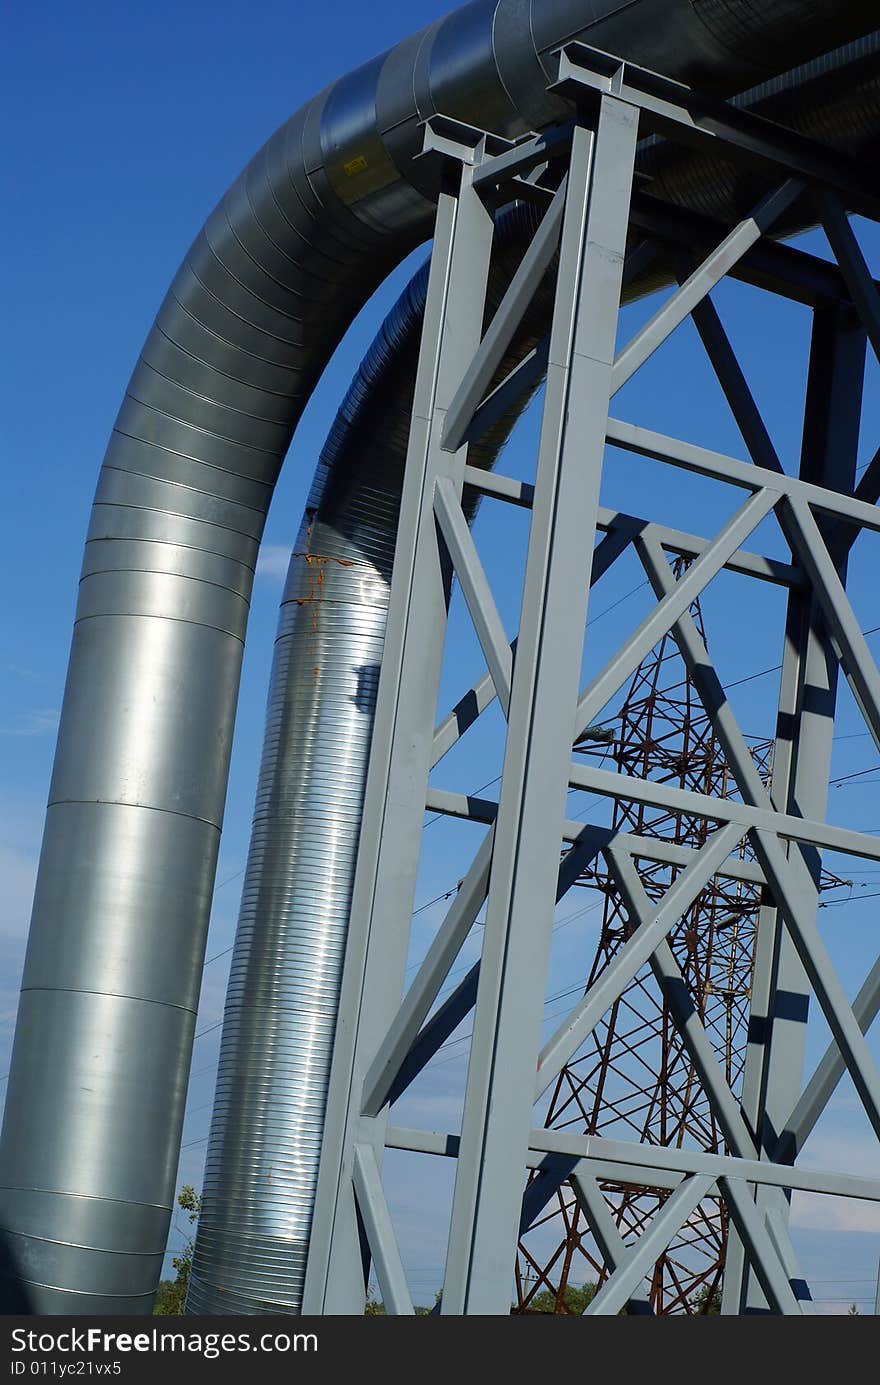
(531, 812)
(388, 855)
(385, 1037)
(804, 731)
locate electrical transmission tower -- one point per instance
(636, 1079)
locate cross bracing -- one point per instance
(636, 1075)
(773, 837)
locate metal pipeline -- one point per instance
(834, 99)
(283, 992)
(330, 204)
(282, 1000)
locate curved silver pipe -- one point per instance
(332, 202)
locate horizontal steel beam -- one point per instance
(769, 265)
(690, 457)
(685, 116)
(696, 1161)
(666, 796)
(484, 810)
(677, 541)
(649, 1166)
(606, 1170)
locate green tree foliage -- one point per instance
(574, 1300)
(707, 1301)
(171, 1294)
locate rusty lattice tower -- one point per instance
(635, 1078)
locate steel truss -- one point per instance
(636, 1075)
(601, 228)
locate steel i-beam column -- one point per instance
(544, 692)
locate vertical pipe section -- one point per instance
(282, 996)
(111, 979)
(103, 1040)
(281, 1004)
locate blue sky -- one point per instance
(123, 125)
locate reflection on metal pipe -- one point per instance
(331, 203)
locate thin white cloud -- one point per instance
(18, 871)
(840, 1151)
(21, 828)
(273, 561)
(819, 1212)
(855, 1151)
(20, 824)
(36, 722)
